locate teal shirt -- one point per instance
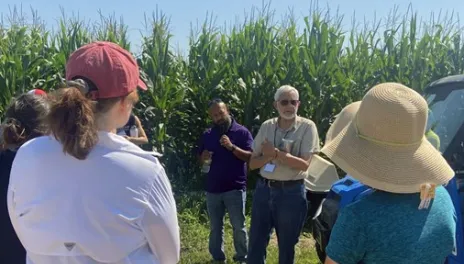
(388, 228)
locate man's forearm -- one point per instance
(291, 161)
(259, 161)
(242, 154)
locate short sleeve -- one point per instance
(258, 141)
(347, 242)
(310, 141)
(247, 141)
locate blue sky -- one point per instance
(184, 12)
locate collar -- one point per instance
(295, 125)
(233, 125)
(116, 142)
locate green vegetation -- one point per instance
(243, 65)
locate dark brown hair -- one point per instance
(25, 119)
(72, 118)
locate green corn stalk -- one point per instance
(243, 64)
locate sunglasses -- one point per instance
(286, 102)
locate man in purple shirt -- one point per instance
(228, 145)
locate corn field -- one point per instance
(242, 64)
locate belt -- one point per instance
(281, 184)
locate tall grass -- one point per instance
(243, 64)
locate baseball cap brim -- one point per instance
(141, 85)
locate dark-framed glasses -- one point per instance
(286, 102)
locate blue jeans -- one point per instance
(234, 202)
(282, 208)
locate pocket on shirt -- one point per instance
(295, 151)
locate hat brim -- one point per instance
(395, 169)
(342, 119)
(141, 85)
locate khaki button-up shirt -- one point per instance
(305, 138)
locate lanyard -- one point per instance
(275, 135)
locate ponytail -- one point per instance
(72, 120)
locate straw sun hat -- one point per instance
(384, 145)
(322, 173)
(342, 120)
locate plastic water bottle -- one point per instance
(206, 165)
(134, 131)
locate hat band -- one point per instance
(385, 143)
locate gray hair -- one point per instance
(285, 89)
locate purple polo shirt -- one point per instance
(227, 172)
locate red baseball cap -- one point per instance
(112, 69)
(38, 91)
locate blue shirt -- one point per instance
(386, 228)
(227, 172)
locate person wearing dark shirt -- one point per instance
(228, 146)
(25, 120)
(133, 131)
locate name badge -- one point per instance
(269, 167)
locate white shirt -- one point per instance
(114, 207)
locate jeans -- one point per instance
(281, 208)
(234, 202)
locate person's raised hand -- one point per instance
(268, 149)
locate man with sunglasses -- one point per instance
(228, 145)
(282, 150)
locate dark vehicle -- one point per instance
(445, 130)
(446, 120)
